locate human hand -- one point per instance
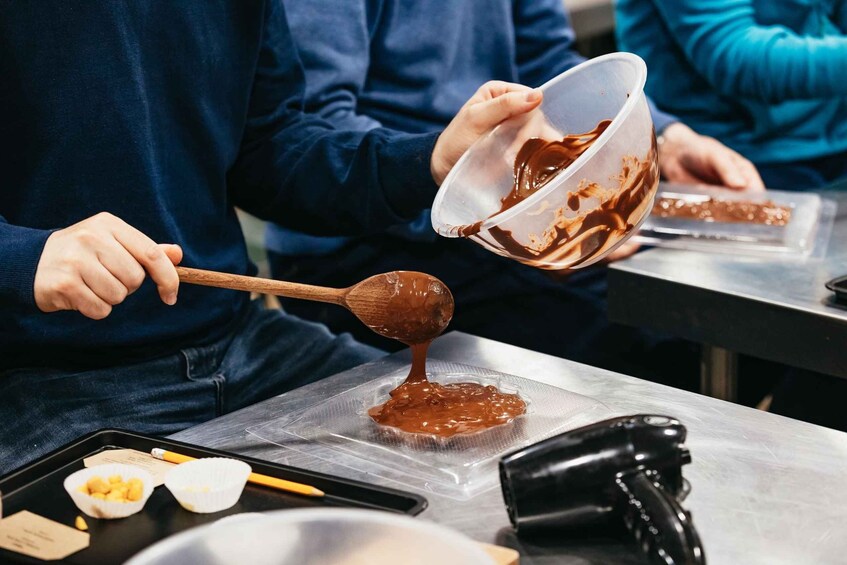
(98, 262)
(688, 157)
(494, 102)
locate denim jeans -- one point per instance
(268, 353)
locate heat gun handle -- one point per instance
(662, 528)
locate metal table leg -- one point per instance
(719, 373)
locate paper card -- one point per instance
(39, 537)
(155, 467)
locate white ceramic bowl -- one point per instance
(318, 536)
(607, 87)
(208, 485)
(97, 508)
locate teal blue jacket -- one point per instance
(766, 77)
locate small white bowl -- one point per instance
(208, 485)
(107, 509)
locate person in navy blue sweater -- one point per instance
(129, 131)
(409, 66)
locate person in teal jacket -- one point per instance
(766, 77)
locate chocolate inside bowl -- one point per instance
(566, 184)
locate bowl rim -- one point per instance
(185, 470)
(635, 95)
(162, 548)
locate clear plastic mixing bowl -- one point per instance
(608, 87)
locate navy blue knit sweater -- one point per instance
(169, 114)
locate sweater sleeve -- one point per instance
(296, 170)
(20, 251)
(661, 120)
(739, 57)
(545, 43)
(544, 40)
(333, 40)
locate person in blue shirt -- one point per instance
(129, 132)
(766, 77)
(409, 66)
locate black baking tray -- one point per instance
(38, 487)
(839, 287)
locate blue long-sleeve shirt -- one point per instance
(411, 65)
(167, 114)
(767, 77)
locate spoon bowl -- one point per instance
(408, 306)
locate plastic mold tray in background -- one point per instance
(807, 232)
(459, 467)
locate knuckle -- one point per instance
(154, 253)
(99, 311)
(104, 217)
(87, 236)
(75, 262)
(119, 294)
(65, 285)
(472, 115)
(135, 278)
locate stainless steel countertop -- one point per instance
(774, 309)
(766, 489)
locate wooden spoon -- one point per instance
(407, 306)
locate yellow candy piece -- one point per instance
(80, 524)
(115, 490)
(135, 492)
(97, 484)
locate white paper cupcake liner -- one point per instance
(208, 485)
(106, 509)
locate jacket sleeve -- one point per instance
(544, 40)
(296, 170)
(546, 47)
(739, 57)
(332, 38)
(20, 251)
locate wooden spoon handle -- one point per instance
(266, 286)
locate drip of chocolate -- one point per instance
(575, 239)
(421, 406)
(725, 211)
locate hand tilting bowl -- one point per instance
(588, 209)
